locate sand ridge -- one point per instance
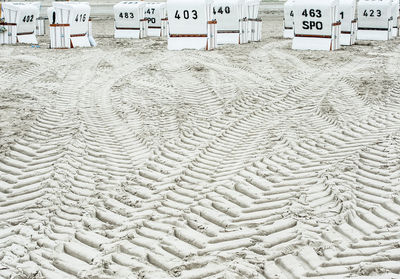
(251, 161)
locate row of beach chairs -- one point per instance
(195, 24)
(329, 24)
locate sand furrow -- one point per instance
(252, 161)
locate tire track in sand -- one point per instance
(52, 172)
(276, 179)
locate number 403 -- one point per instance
(186, 14)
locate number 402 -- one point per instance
(28, 18)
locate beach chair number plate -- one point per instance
(126, 15)
(80, 18)
(372, 13)
(186, 14)
(226, 10)
(148, 14)
(310, 25)
(28, 18)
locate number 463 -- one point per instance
(311, 13)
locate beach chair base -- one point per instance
(374, 35)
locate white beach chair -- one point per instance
(316, 25)
(375, 20)
(255, 23)
(69, 24)
(40, 26)
(347, 15)
(288, 19)
(59, 33)
(191, 25)
(130, 20)
(230, 16)
(155, 14)
(396, 18)
(19, 22)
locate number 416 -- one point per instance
(81, 17)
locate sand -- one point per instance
(252, 161)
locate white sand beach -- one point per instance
(251, 161)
